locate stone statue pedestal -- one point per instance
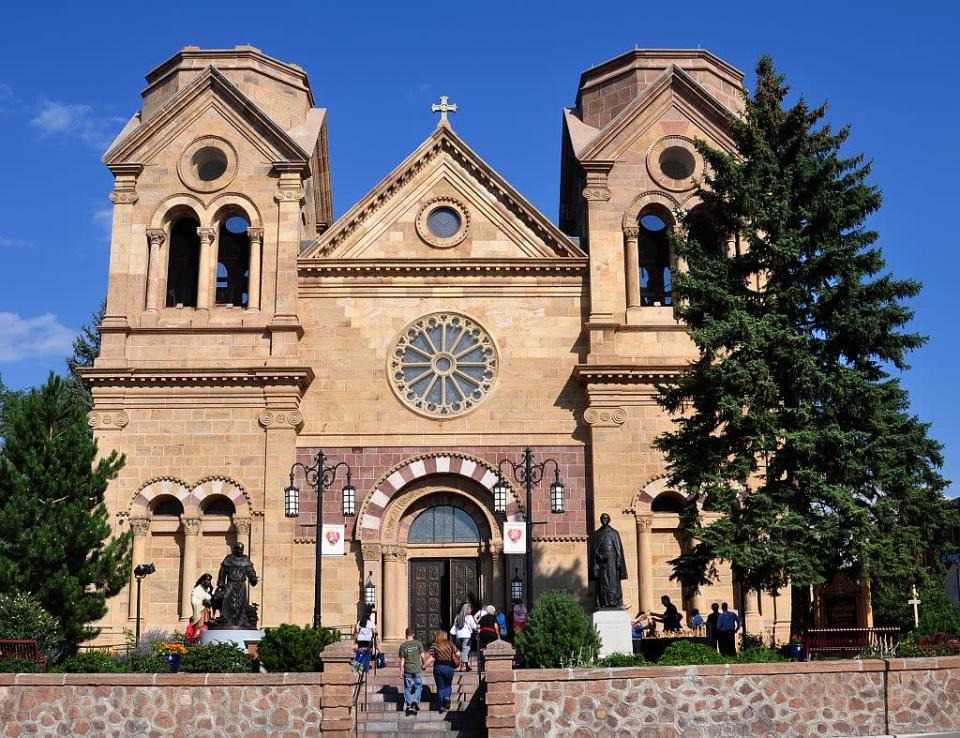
(613, 625)
(242, 639)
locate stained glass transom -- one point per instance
(443, 365)
(444, 524)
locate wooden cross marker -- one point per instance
(915, 601)
(443, 108)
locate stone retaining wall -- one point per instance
(251, 705)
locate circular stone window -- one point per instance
(208, 164)
(673, 163)
(443, 222)
(442, 365)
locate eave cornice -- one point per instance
(622, 374)
(439, 267)
(300, 377)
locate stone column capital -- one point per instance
(395, 553)
(645, 521)
(255, 235)
(241, 525)
(206, 235)
(631, 232)
(371, 551)
(156, 236)
(140, 526)
(191, 524)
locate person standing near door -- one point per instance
(727, 625)
(463, 630)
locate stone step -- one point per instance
(479, 733)
(415, 725)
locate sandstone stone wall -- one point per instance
(849, 698)
(130, 705)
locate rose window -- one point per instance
(443, 365)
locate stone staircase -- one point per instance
(383, 714)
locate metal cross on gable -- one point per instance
(443, 108)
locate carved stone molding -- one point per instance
(631, 232)
(191, 526)
(371, 551)
(601, 194)
(280, 418)
(108, 420)
(604, 417)
(294, 195)
(140, 526)
(156, 236)
(124, 197)
(242, 526)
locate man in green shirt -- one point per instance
(411, 668)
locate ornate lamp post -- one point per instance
(528, 474)
(370, 591)
(320, 476)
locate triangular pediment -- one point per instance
(141, 140)
(673, 94)
(389, 223)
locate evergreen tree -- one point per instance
(86, 348)
(789, 422)
(55, 538)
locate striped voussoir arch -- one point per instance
(191, 497)
(371, 511)
(654, 487)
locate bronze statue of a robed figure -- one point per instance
(231, 597)
(607, 565)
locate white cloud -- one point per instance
(14, 243)
(28, 338)
(61, 120)
(103, 219)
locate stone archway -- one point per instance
(391, 558)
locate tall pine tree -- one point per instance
(86, 348)
(55, 538)
(789, 422)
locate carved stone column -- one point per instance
(752, 622)
(645, 546)
(631, 236)
(206, 276)
(253, 282)
(191, 549)
(141, 533)
(394, 598)
(156, 237)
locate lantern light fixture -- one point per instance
(370, 591)
(516, 587)
(291, 500)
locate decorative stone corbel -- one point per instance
(272, 419)
(112, 420)
(596, 186)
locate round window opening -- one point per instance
(443, 365)
(677, 162)
(209, 163)
(444, 222)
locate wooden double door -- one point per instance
(438, 589)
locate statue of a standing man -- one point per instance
(235, 570)
(607, 566)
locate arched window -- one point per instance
(218, 505)
(233, 261)
(701, 226)
(671, 502)
(167, 507)
(183, 268)
(444, 524)
(653, 247)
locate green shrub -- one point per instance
(917, 645)
(684, 653)
(139, 662)
(89, 662)
(622, 659)
(557, 634)
(216, 658)
(760, 655)
(23, 618)
(18, 665)
(937, 613)
(292, 648)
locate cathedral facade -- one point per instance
(439, 327)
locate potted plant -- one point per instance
(794, 648)
(172, 653)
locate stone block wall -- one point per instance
(133, 705)
(923, 695)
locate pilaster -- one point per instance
(141, 531)
(191, 549)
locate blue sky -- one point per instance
(71, 73)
